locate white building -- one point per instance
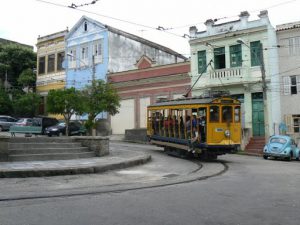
(288, 37)
(234, 50)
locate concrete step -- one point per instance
(47, 150)
(41, 139)
(44, 145)
(49, 156)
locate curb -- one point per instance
(75, 170)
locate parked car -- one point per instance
(24, 122)
(75, 128)
(6, 122)
(281, 146)
(44, 122)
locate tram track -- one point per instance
(196, 175)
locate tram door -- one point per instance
(202, 117)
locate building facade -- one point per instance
(240, 57)
(50, 68)
(143, 86)
(288, 36)
(94, 50)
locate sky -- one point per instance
(24, 20)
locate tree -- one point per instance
(5, 103)
(100, 97)
(66, 102)
(14, 59)
(26, 105)
(27, 79)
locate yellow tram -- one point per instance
(204, 127)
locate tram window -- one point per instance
(226, 114)
(237, 114)
(214, 114)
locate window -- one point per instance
(291, 85)
(294, 46)
(235, 55)
(51, 63)
(226, 114)
(201, 61)
(84, 53)
(237, 114)
(256, 51)
(85, 26)
(42, 65)
(97, 51)
(72, 58)
(219, 55)
(60, 59)
(296, 120)
(214, 114)
(84, 56)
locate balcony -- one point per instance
(229, 76)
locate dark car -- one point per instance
(44, 122)
(6, 122)
(75, 128)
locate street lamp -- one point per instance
(260, 59)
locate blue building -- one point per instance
(93, 50)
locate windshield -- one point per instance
(278, 140)
(61, 124)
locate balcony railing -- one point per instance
(226, 73)
(229, 76)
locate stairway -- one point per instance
(255, 146)
(41, 149)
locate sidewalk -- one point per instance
(117, 159)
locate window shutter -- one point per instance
(286, 85)
(288, 119)
(202, 62)
(298, 84)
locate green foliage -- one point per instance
(66, 102)
(15, 59)
(5, 103)
(27, 78)
(100, 97)
(26, 105)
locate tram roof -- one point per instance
(183, 101)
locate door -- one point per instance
(124, 119)
(258, 120)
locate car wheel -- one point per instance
(265, 157)
(297, 159)
(289, 158)
(49, 135)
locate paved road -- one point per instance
(251, 191)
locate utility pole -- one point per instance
(260, 59)
(264, 90)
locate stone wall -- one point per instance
(136, 135)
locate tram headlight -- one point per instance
(227, 133)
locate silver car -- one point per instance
(6, 122)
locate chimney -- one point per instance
(209, 26)
(193, 30)
(244, 18)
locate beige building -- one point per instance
(288, 36)
(50, 70)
